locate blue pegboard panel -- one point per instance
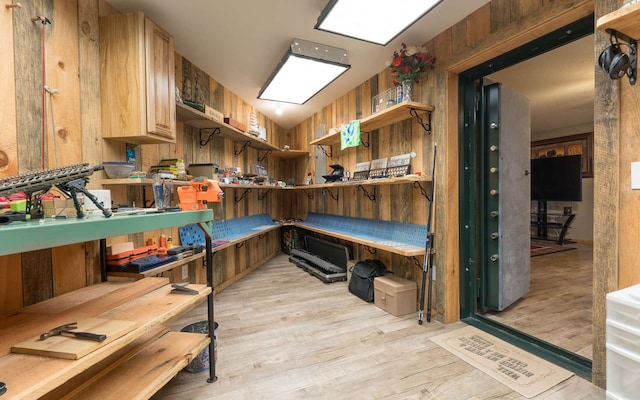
(224, 230)
(191, 234)
(371, 229)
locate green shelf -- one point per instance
(20, 236)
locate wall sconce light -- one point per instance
(371, 20)
(305, 70)
(616, 62)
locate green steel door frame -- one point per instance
(473, 210)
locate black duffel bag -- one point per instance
(362, 275)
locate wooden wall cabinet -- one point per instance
(137, 80)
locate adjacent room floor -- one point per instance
(558, 306)
(286, 335)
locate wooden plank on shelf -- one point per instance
(290, 154)
(87, 302)
(70, 348)
(624, 20)
(31, 376)
(406, 250)
(103, 367)
(391, 115)
(369, 182)
(86, 294)
(148, 371)
(190, 116)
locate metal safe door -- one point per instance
(506, 197)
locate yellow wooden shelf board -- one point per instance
(368, 182)
(391, 115)
(290, 154)
(624, 20)
(31, 376)
(146, 372)
(192, 117)
(406, 250)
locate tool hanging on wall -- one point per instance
(44, 20)
(427, 266)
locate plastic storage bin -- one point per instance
(624, 337)
(623, 373)
(623, 306)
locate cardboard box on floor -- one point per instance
(395, 295)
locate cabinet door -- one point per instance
(161, 103)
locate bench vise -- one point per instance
(199, 192)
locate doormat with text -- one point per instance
(523, 372)
(541, 248)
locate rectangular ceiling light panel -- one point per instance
(376, 21)
(305, 70)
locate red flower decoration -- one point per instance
(410, 64)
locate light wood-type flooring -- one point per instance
(286, 335)
(558, 306)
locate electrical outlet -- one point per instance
(185, 271)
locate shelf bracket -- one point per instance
(239, 245)
(417, 262)
(214, 131)
(427, 126)
(327, 190)
(324, 150)
(370, 196)
(261, 197)
(243, 148)
(243, 195)
(368, 142)
(371, 250)
(309, 195)
(633, 56)
(260, 158)
(262, 236)
(417, 185)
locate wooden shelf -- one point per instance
(21, 236)
(157, 270)
(391, 115)
(147, 371)
(406, 250)
(148, 303)
(290, 154)
(624, 20)
(192, 117)
(369, 182)
(138, 182)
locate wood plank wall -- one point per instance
(74, 71)
(497, 27)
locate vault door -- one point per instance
(505, 197)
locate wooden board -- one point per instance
(146, 372)
(71, 348)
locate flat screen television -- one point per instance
(556, 178)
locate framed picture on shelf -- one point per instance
(567, 146)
